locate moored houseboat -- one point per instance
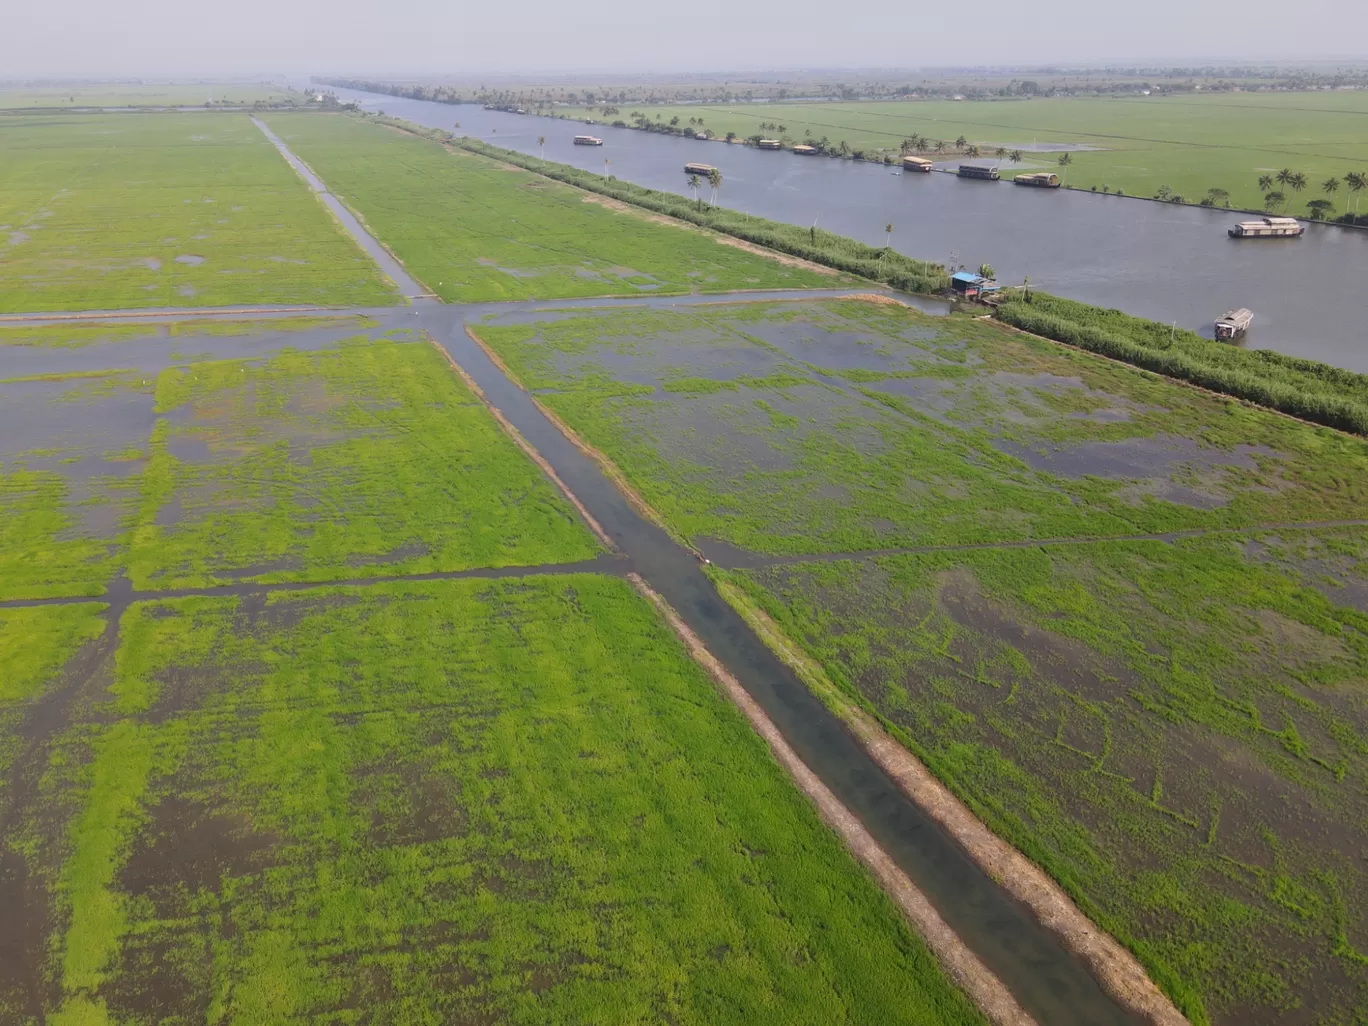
(917, 164)
(804, 150)
(768, 144)
(588, 140)
(1234, 324)
(990, 174)
(699, 169)
(1267, 228)
(1039, 179)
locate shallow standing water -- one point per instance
(1171, 263)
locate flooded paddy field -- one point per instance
(1123, 620)
(119, 211)
(454, 801)
(476, 230)
(846, 425)
(223, 452)
(411, 801)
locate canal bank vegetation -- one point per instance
(883, 264)
(1301, 388)
(1107, 611)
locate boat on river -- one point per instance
(989, 174)
(699, 169)
(1267, 228)
(917, 164)
(1038, 179)
(1234, 324)
(588, 140)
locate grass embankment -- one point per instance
(1302, 388)
(1171, 729)
(449, 802)
(361, 455)
(121, 211)
(475, 230)
(821, 247)
(1191, 143)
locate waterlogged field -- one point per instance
(848, 425)
(121, 211)
(474, 230)
(1191, 143)
(455, 801)
(1126, 621)
(213, 453)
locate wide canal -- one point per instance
(1171, 263)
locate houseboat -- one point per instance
(989, 174)
(768, 144)
(1267, 228)
(804, 150)
(972, 286)
(703, 170)
(1039, 179)
(917, 164)
(1234, 324)
(588, 140)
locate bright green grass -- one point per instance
(130, 95)
(361, 458)
(1177, 733)
(839, 426)
(77, 334)
(96, 210)
(474, 230)
(451, 802)
(1190, 143)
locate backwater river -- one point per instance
(1170, 263)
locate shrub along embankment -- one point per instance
(1302, 388)
(820, 247)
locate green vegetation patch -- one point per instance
(347, 456)
(462, 801)
(121, 211)
(843, 425)
(1176, 732)
(474, 230)
(1302, 388)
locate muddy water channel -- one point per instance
(1169, 263)
(1046, 980)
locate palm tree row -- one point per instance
(1353, 181)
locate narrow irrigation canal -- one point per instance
(1047, 981)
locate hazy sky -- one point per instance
(90, 38)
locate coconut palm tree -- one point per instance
(1265, 183)
(940, 146)
(1355, 181)
(1297, 182)
(1272, 199)
(693, 188)
(1064, 162)
(1330, 186)
(961, 143)
(1000, 152)
(714, 180)
(888, 235)
(1284, 177)
(1014, 156)
(541, 141)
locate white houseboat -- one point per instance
(588, 140)
(1268, 228)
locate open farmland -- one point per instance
(209, 453)
(121, 211)
(475, 230)
(1126, 621)
(1190, 143)
(412, 801)
(132, 94)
